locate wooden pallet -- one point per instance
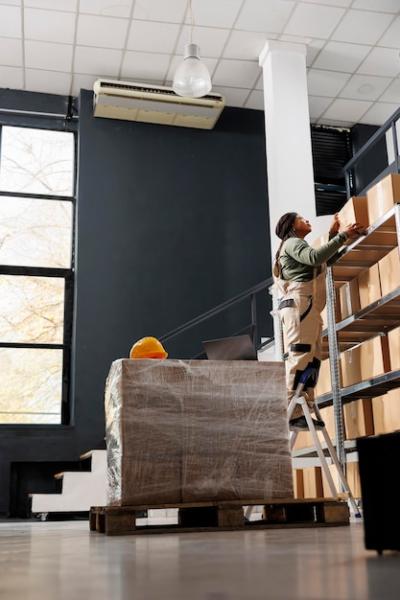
(223, 516)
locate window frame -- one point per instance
(68, 343)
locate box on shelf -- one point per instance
(382, 196)
(354, 211)
(394, 348)
(338, 315)
(365, 361)
(386, 411)
(358, 419)
(325, 485)
(349, 298)
(298, 483)
(324, 385)
(389, 270)
(369, 286)
(312, 479)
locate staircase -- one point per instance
(80, 490)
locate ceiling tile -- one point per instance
(381, 61)
(10, 21)
(340, 56)
(326, 83)
(11, 77)
(236, 73)
(379, 113)
(142, 66)
(49, 25)
(210, 63)
(255, 100)
(44, 55)
(246, 45)
(106, 8)
(47, 82)
(264, 16)
(103, 32)
(392, 35)
(159, 10)
(365, 87)
(313, 49)
(317, 106)
(68, 5)
(390, 6)
(362, 27)
(314, 20)
(10, 52)
(343, 3)
(97, 60)
(215, 14)
(347, 110)
(211, 41)
(13, 2)
(392, 94)
(84, 82)
(233, 96)
(148, 36)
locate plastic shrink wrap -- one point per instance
(185, 431)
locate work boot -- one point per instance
(300, 423)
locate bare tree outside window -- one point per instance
(36, 168)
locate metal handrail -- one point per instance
(390, 123)
(209, 314)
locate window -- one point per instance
(37, 183)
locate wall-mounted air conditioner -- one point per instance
(154, 104)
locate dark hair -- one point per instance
(284, 230)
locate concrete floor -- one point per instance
(63, 561)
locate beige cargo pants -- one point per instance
(300, 306)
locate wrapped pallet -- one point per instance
(185, 431)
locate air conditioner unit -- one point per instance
(154, 104)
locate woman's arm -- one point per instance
(300, 251)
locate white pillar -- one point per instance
(288, 137)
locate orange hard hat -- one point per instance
(148, 347)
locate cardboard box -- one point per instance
(354, 211)
(394, 348)
(389, 270)
(353, 478)
(298, 483)
(325, 486)
(382, 196)
(349, 298)
(338, 314)
(304, 438)
(369, 286)
(324, 384)
(312, 479)
(386, 411)
(358, 419)
(364, 361)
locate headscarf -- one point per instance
(284, 230)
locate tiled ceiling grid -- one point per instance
(60, 46)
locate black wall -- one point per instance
(374, 162)
(170, 223)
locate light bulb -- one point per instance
(192, 78)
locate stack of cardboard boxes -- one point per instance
(373, 357)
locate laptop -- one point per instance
(238, 347)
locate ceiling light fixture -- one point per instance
(191, 78)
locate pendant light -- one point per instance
(191, 78)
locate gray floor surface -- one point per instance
(60, 561)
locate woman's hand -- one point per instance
(334, 229)
(352, 231)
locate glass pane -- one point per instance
(31, 309)
(30, 390)
(35, 233)
(36, 161)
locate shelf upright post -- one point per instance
(334, 366)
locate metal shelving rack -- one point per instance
(376, 319)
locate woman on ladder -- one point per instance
(299, 272)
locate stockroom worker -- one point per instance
(299, 273)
